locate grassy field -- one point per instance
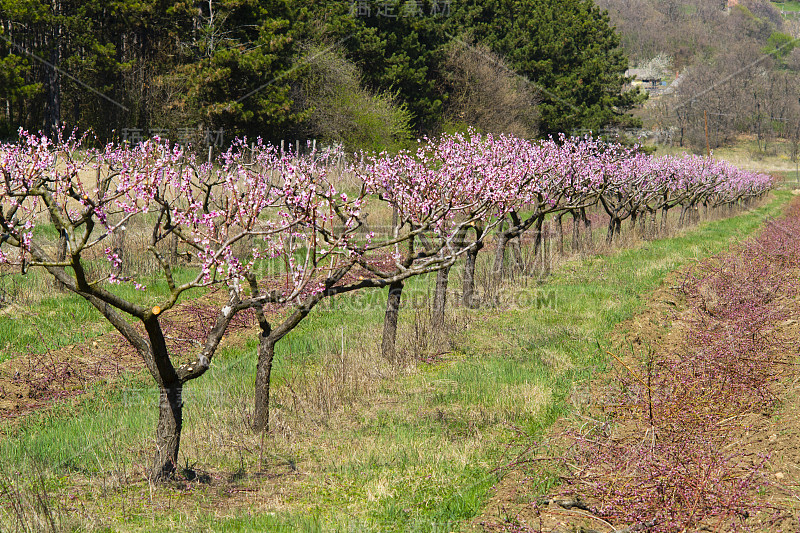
(792, 178)
(42, 318)
(355, 444)
(789, 5)
(746, 154)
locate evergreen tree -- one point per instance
(239, 64)
(398, 46)
(565, 48)
(232, 64)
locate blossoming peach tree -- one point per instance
(254, 210)
(276, 231)
(231, 217)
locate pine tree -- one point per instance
(566, 49)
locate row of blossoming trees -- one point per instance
(256, 210)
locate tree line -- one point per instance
(369, 74)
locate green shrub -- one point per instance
(341, 110)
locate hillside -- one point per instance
(736, 66)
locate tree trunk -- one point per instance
(269, 337)
(467, 298)
(576, 237)
(61, 255)
(664, 220)
(168, 432)
(516, 250)
(560, 233)
(546, 252)
(439, 299)
(653, 230)
(173, 250)
(498, 271)
(538, 261)
(643, 225)
(118, 248)
(388, 347)
(170, 404)
(266, 353)
(587, 228)
(611, 225)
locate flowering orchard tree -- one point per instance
(270, 227)
(517, 183)
(277, 233)
(666, 182)
(564, 174)
(333, 250)
(233, 217)
(438, 194)
(432, 213)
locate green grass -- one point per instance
(791, 5)
(791, 179)
(64, 319)
(366, 447)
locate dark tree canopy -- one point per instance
(567, 50)
(168, 65)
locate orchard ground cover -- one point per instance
(368, 446)
(695, 426)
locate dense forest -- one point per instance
(369, 74)
(736, 66)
